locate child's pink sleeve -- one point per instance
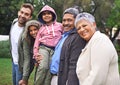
(36, 45)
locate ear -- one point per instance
(18, 13)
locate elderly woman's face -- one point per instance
(85, 29)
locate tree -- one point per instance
(8, 12)
(113, 19)
(99, 8)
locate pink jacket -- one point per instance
(48, 35)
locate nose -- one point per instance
(65, 22)
(33, 32)
(22, 14)
(82, 29)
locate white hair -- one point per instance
(86, 16)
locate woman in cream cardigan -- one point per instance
(98, 62)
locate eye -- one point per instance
(21, 12)
(27, 14)
(49, 13)
(84, 25)
(69, 20)
(78, 28)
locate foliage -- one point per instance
(114, 15)
(8, 11)
(4, 49)
(99, 8)
(113, 19)
(117, 46)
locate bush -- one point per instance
(4, 49)
(117, 46)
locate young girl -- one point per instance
(46, 40)
(26, 63)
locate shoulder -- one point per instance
(58, 26)
(99, 37)
(101, 41)
(15, 20)
(74, 38)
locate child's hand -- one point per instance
(38, 58)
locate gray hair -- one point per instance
(72, 11)
(86, 16)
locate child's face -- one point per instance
(33, 30)
(47, 16)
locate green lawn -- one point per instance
(6, 75)
(6, 72)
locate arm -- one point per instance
(36, 45)
(76, 47)
(26, 60)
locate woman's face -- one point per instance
(33, 30)
(85, 29)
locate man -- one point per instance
(17, 27)
(67, 52)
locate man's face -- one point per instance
(24, 14)
(68, 22)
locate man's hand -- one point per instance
(23, 82)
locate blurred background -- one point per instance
(106, 12)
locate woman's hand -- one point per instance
(23, 82)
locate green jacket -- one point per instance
(25, 62)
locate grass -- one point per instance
(6, 65)
(6, 72)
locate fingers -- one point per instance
(22, 82)
(38, 58)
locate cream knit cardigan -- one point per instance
(98, 62)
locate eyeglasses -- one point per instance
(86, 16)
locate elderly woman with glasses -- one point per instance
(98, 62)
